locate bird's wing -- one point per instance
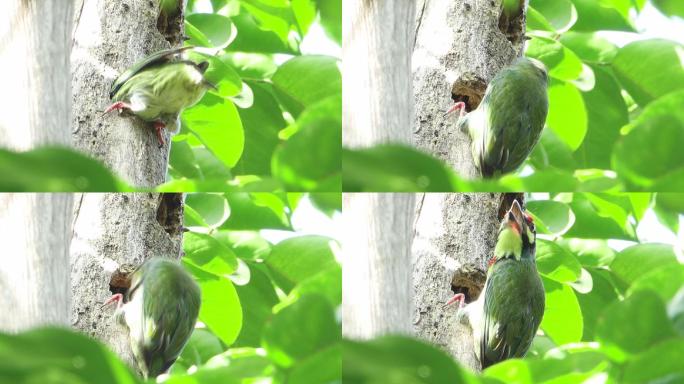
(510, 325)
(157, 58)
(170, 317)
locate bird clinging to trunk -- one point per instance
(159, 87)
(160, 310)
(506, 315)
(507, 124)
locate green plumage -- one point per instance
(506, 315)
(160, 86)
(160, 311)
(508, 122)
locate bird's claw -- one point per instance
(159, 127)
(117, 297)
(119, 106)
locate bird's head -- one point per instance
(517, 234)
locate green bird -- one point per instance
(506, 315)
(159, 87)
(160, 310)
(507, 124)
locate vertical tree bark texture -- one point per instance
(455, 235)
(376, 277)
(109, 36)
(34, 274)
(458, 50)
(34, 55)
(110, 230)
(376, 95)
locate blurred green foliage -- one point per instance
(612, 315)
(267, 314)
(615, 120)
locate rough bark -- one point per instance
(459, 47)
(376, 92)
(34, 274)
(34, 53)
(110, 230)
(455, 235)
(376, 279)
(109, 36)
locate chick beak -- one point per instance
(516, 217)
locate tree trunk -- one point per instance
(109, 36)
(377, 96)
(454, 237)
(459, 48)
(34, 53)
(34, 228)
(376, 280)
(34, 275)
(110, 230)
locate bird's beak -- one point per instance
(515, 216)
(210, 85)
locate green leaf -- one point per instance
(271, 15)
(252, 38)
(54, 355)
(54, 169)
(590, 224)
(259, 296)
(556, 217)
(649, 69)
(665, 281)
(247, 245)
(317, 141)
(298, 258)
(670, 7)
(635, 324)
(328, 203)
(561, 14)
(561, 62)
(590, 47)
(401, 359)
(221, 310)
(216, 123)
(207, 253)
(633, 262)
(256, 211)
(287, 340)
(306, 80)
(327, 283)
(331, 18)
(606, 113)
(202, 346)
(594, 302)
(593, 15)
(591, 253)
(541, 181)
(213, 208)
(393, 168)
(262, 122)
(552, 152)
(557, 263)
(304, 13)
(659, 364)
(562, 320)
(567, 114)
(182, 160)
(652, 149)
(323, 367)
(208, 28)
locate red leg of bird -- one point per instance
(458, 106)
(459, 297)
(117, 297)
(491, 262)
(159, 127)
(119, 106)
